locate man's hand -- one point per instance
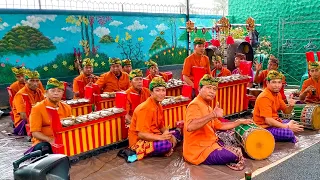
(218, 111)
(23, 115)
(76, 94)
(291, 101)
(309, 88)
(244, 121)
(128, 119)
(294, 126)
(165, 136)
(50, 140)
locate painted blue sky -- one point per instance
(66, 36)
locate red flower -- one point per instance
(22, 64)
(3, 65)
(17, 60)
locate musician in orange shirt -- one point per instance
(136, 88)
(201, 144)
(260, 77)
(19, 110)
(310, 91)
(126, 65)
(20, 72)
(114, 80)
(268, 103)
(154, 71)
(219, 70)
(87, 76)
(197, 58)
(148, 135)
(40, 122)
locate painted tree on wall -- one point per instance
(130, 49)
(24, 41)
(158, 43)
(86, 40)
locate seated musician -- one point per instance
(310, 91)
(148, 135)
(136, 76)
(20, 72)
(114, 80)
(238, 58)
(87, 76)
(126, 65)
(35, 95)
(154, 71)
(197, 58)
(266, 108)
(219, 70)
(40, 122)
(201, 144)
(260, 77)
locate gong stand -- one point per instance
(220, 30)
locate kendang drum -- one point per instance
(308, 115)
(257, 142)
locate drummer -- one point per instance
(136, 76)
(266, 108)
(126, 66)
(201, 144)
(87, 76)
(260, 77)
(238, 58)
(148, 135)
(154, 71)
(197, 58)
(219, 70)
(114, 80)
(310, 91)
(40, 123)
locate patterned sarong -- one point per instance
(283, 134)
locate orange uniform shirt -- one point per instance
(267, 106)
(16, 86)
(198, 144)
(144, 95)
(195, 60)
(147, 117)
(84, 79)
(40, 121)
(164, 76)
(19, 104)
(315, 84)
(110, 83)
(223, 72)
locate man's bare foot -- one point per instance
(169, 153)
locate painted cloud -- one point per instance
(115, 23)
(136, 26)
(162, 27)
(3, 26)
(72, 29)
(34, 21)
(101, 31)
(153, 33)
(57, 40)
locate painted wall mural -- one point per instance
(46, 42)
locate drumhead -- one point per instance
(259, 144)
(316, 118)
